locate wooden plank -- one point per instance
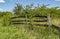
(18, 23)
(54, 26)
(40, 20)
(41, 16)
(18, 17)
(19, 20)
(28, 17)
(41, 24)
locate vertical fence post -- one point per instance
(26, 19)
(49, 20)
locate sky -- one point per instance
(8, 5)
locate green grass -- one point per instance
(24, 32)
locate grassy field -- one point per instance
(29, 31)
(24, 32)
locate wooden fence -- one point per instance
(37, 20)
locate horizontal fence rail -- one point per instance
(19, 17)
(28, 17)
(41, 16)
(41, 24)
(19, 20)
(40, 20)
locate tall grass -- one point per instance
(55, 21)
(22, 32)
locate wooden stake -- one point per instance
(26, 19)
(49, 20)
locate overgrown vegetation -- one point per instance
(9, 31)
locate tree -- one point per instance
(18, 9)
(41, 10)
(54, 11)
